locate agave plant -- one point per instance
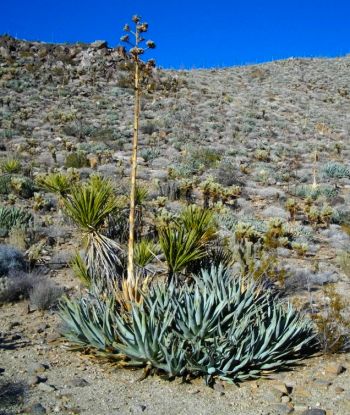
(13, 217)
(219, 326)
(89, 206)
(336, 170)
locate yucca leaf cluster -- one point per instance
(58, 183)
(90, 205)
(217, 326)
(185, 239)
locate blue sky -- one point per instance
(192, 33)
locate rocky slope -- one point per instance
(271, 129)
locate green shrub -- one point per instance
(315, 192)
(11, 217)
(336, 170)
(76, 160)
(23, 186)
(5, 184)
(218, 327)
(149, 154)
(11, 259)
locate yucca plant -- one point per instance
(58, 183)
(80, 270)
(11, 166)
(89, 205)
(145, 251)
(184, 241)
(219, 326)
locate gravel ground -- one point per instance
(46, 378)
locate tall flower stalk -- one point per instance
(137, 48)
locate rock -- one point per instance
(285, 399)
(219, 387)
(14, 324)
(335, 369)
(79, 382)
(42, 327)
(322, 382)
(299, 407)
(46, 387)
(338, 390)
(273, 395)
(301, 392)
(282, 387)
(38, 368)
(52, 337)
(34, 380)
(314, 411)
(281, 409)
(99, 44)
(37, 409)
(139, 408)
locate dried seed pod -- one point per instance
(126, 28)
(150, 44)
(142, 27)
(136, 18)
(125, 38)
(136, 51)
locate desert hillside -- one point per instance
(266, 147)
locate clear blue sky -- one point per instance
(192, 33)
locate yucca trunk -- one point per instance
(133, 175)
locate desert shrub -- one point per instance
(226, 174)
(196, 160)
(149, 128)
(11, 217)
(149, 154)
(44, 294)
(10, 259)
(262, 155)
(5, 184)
(7, 134)
(11, 394)
(78, 129)
(169, 189)
(220, 326)
(343, 260)
(17, 284)
(94, 148)
(76, 160)
(315, 192)
(23, 186)
(333, 326)
(336, 170)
